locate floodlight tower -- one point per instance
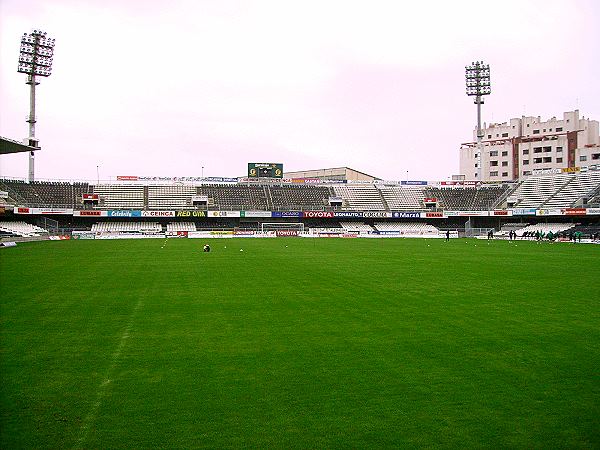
(35, 59)
(478, 84)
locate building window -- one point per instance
(494, 153)
(596, 156)
(583, 158)
(544, 130)
(527, 172)
(525, 162)
(504, 134)
(494, 173)
(527, 125)
(547, 149)
(558, 129)
(505, 153)
(494, 163)
(536, 131)
(504, 163)
(558, 149)
(476, 165)
(489, 136)
(537, 149)
(504, 174)
(537, 160)
(526, 151)
(558, 160)
(548, 159)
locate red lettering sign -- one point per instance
(574, 211)
(90, 213)
(501, 213)
(434, 214)
(127, 178)
(318, 214)
(286, 233)
(23, 210)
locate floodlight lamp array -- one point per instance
(477, 76)
(35, 57)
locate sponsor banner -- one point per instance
(255, 213)
(430, 200)
(545, 171)
(124, 213)
(317, 214)
(286, 214)
(574, 211)
(432, 215)
(223, 214)
(348, 214)
(286, 233)
(501, 212)
(21, 210)
(413, 183)
(199, 198)
(114, 236)
(243, 232)
(190, 213)
(89, 196)
(83, 235)
(377, 214)
(523, 211)
(570, 170)
(548, 212)
(158, 213)
(90, 213)
(406, 214)
(216, 180)
(592, 211)
(127, 178)
(466, 213)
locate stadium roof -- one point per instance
(11, 146)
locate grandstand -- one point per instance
(20, 228)
(126, 227)
(407, 228)
(205, 204)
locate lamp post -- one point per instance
(35, 59)
(477, 76)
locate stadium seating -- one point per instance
(544, 228)
(468, 198)
(45, 194)
(578, 186)
(169, 196)
(21, 229)
(127, 227)
(236, 197)
(120, 196)
(301, 197)
(356, 227)
(181, 226)
(360, 197)
(403, 198)
(409, 228)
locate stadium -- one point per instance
(317, 308)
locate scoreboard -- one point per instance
(265, 170)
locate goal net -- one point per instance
(298, 227)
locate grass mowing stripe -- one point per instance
(89, 420)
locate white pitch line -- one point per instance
(91, 417)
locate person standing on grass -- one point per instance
(447, 235)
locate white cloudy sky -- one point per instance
(164, 88)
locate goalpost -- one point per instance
(297, 226)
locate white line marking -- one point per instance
(91, 417)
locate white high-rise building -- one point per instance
(526, 145)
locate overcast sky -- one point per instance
(164, 88)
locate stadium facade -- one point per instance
(527, 145)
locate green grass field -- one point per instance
(327, 343)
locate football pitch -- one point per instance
(299, 343)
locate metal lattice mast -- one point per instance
(478, 84)
(35, 59)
